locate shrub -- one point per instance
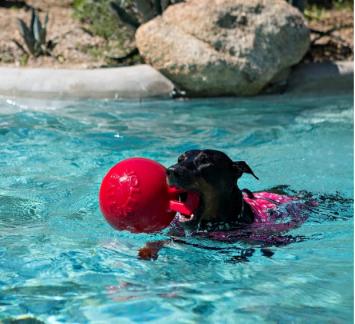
(35, 36)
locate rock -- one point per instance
(224, 47)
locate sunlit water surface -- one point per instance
(61, 262)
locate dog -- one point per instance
(222, 207)
(213, 176)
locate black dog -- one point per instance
(213, 176)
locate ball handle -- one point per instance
(187, 207)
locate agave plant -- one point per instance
(34, 35)
(145, 9)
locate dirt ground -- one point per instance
(75, 47)
(332, 36)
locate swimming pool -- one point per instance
(61, 262)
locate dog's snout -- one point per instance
(176, 171)
(170, 171)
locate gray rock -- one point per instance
(224, 47)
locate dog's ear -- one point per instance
(241, 167)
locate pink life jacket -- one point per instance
(265, 202)
(273, 215)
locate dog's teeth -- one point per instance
(184, 218)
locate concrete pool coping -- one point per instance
(134, 82)
(143, 81)
(322, 78)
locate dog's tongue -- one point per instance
(187, 207)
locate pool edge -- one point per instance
(144, 82)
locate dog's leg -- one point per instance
(151, 249)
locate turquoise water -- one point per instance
(61, 262)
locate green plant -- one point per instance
(34, 36)
(343, 4)
(24, 59)
(315, 13)
(99, 20)
(329, 4)
(116, 21)
(141, 11)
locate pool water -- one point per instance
(61, 262)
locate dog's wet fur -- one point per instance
(213, 175)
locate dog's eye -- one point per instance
(181, 158)
(203, 159)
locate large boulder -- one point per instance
(224, 47)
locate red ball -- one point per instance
(134, 196)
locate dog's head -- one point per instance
(212, 175)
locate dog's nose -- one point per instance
(171, 171)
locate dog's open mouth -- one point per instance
(183, 197)
(186, 205)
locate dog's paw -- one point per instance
(147, 253)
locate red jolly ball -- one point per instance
(134, 196)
